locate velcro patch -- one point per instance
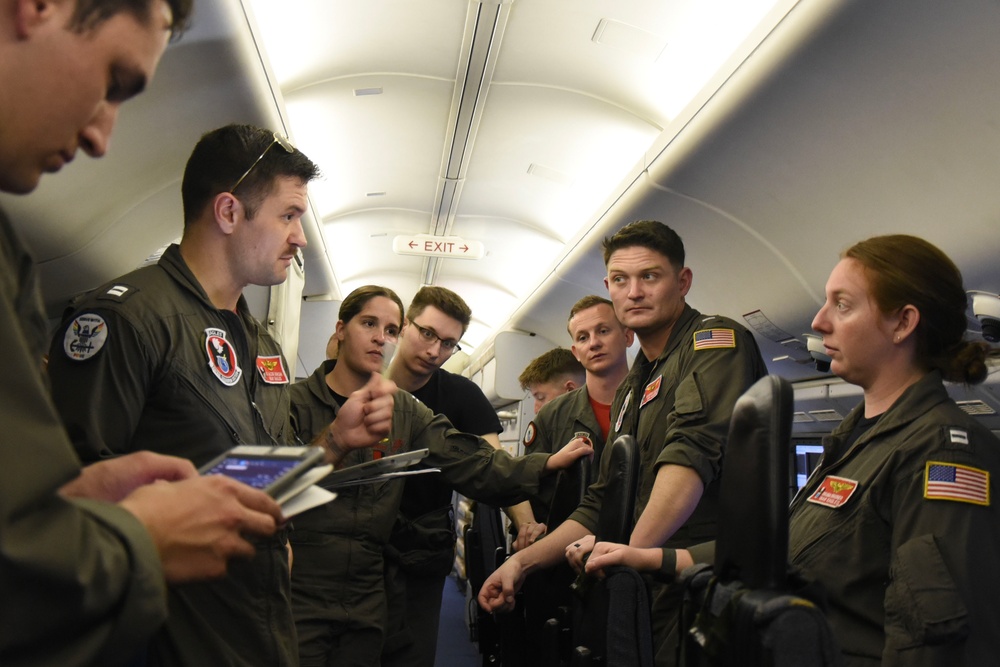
(222, 357)
(118, 293)
(958, 436)
(952, 481)
(621, 415)
(272, 370)
(651, 390)
(710, 339)
(530, 434)
(833, 491)
(85, 336)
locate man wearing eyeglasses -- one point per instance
(422, 546)
(338, 582)
(169, 358)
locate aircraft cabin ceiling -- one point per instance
(507, 124)
(769, 134)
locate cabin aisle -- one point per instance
(454, 648)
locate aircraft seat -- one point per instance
(742, 610)
(612, 623)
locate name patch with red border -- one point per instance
(833, 491)
(272, 370)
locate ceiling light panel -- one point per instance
(367, 144)
(313, 40)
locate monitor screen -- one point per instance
(806, 453)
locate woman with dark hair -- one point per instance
(338, 594)
(898, 524)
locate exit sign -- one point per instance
(426, 245)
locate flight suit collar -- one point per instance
(679, 332)
(918, 398)
(173, 263)
(319, 388)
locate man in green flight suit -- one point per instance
(85, 554)
(676, 401)
(181, 366)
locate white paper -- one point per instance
(313, 496)
(303, 494)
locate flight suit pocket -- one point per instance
(922, 604)
(688, 400)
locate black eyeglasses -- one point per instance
(279, 139)
(429, 336)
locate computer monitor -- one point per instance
(806, 452)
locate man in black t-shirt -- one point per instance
(421, 550)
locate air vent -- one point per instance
(155, 257)
(976, 407)
(637, 41)
(361, 92)
(801, 418)
(550, 174)
(826, 415)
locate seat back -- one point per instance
(752, 543)
(571, 485)
(618, 511)
(485, 548)
(742, 611)
(607, 622)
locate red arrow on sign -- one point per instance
(412, 245)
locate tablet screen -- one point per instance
(259, 473)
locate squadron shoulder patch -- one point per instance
(272, 370)
(960, 483)
(833, 491)
(85, 336)
(222, 357)
(710, 339)
(530, 434)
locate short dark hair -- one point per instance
(586, 302)
(647, 234)
(89, 14)
(555, 364)
(907, 270)
(222, 156)
(356, 300)
(444, 300)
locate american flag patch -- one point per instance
(950, 481)
(707, 339)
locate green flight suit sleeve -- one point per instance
(80, 583)
(101, 399)
(942, 582)
(698, 424)
(472, 466)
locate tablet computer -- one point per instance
(372, 469)
(270, 469)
